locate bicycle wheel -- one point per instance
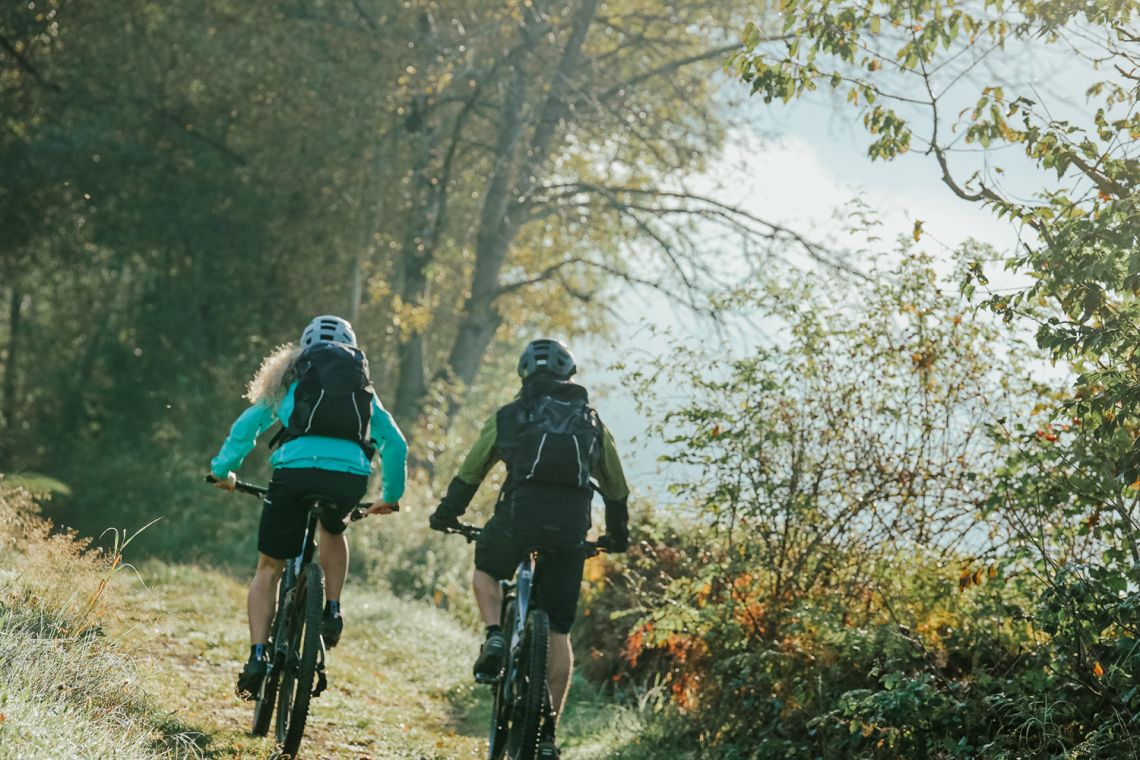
(263, 706)
(501, 691)
(267, 695)
(528, 701)
(301, 661)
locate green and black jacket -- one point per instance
(539, 507)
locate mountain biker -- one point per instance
(544, 500)
(319, 384)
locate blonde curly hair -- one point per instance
(273, 377)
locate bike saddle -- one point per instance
(320, 502)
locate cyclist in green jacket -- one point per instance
(320, 391)
(545, 500)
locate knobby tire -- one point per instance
(267, 695)
(304, 648)
(500, 708)
(263, 706)
(528, 703)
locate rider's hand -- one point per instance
(443, 522)
(228, 483)
(383, 508)
(613, 543)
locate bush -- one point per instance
(882, 557)
(67, 691)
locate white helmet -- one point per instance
(328, 329)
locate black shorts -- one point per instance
(558, 581)
(285, 512)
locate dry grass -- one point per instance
(391, 678)
(69, 690)
(107, 660)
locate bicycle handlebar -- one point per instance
(358, 512)
(250, 488)
(470, 532)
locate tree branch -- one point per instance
(713, 208)
(189, 130)
(23, 63)
(670, 67)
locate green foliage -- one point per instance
(874, 566)
(186, 184)
(908, 68)
(1061, 512)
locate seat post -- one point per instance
(316, 505)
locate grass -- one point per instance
(75, 697)
(69, 690)
(110, 660)
(390, 679)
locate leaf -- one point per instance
(965, 579)
(917, 229)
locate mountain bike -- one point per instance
(296, 649)
(521, 697)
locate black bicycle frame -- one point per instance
(523, 583)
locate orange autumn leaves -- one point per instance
(974, 577)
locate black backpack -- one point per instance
(333, 396)
(558, 442)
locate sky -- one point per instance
(804, 168)
(800, 165)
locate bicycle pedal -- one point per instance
(322, 683)
(488, 680)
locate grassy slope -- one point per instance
(400, 681)
(394, 679)
(140, 663)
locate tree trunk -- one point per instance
(424, 207)
(357, 288)
(416, 253)
(498, 225)
(480, 318)
(11, 367)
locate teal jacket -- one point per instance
(334, 454)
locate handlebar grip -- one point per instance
(366, 505)
(359, 512)
(469, 532)
(247, 488)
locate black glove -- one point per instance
(614, 544)
(443, 523)
(617, 525)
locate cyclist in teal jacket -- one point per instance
(304, 465)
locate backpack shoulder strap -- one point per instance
(278, 437)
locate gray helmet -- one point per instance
(328, 329)
(547, 355)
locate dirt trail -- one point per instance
(399, 681)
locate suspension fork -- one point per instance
(524, 583)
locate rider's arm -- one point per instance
(482, 457)
(393, 451)
(242, 438)
(611, 483)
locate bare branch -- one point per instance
(190, 131)
(713, 209)
(669, 68)
(23, 63)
